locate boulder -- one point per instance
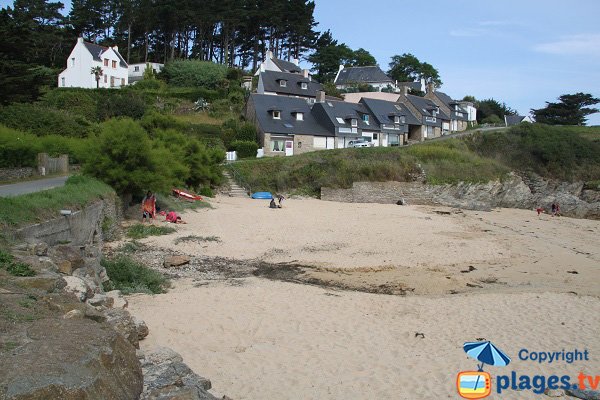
(77, 287)
(176, 261)
(74, 314)
(71, 359)
(584, 394)
(100, 300)
(167, 377)
(118, 300)
(40, 249)
(67, 258)
(141, 327)
(122, 322)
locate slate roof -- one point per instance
(447, 100)
(287, 125)
(382, 110)
(286, 66)
(411, 85)
(96, 51)
(346, 111)
(425, 106)
(513, 119)
(293, 87)
(351, 75)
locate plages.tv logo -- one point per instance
(478, 384)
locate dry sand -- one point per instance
(535, 285)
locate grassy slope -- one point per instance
(567, 153)
(77, 192)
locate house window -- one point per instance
(106, 62)
(136, 69)
(276, 114)
(304, 85)
(73, 62)
(114, 64)
(300, 116)
(122, 81)
(396, 119)
(365, 118)
(403, 119)
(283, 83)
(354, 122)
(375, 136)
(340, 120)
(277, 145)
(105, 78)
(62, 82)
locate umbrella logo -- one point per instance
(478, 384)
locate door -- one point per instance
(289, 148)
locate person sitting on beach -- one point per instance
(174, 218)
(272, 203)
(148, 206)
(280, 199)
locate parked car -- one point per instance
(358, 143)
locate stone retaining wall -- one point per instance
(13, 174)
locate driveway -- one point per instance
(16, 189)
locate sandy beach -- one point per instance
(509, 276)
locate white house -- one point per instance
(86, 56)
(278, 65)
(136, 71)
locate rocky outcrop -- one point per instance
(526, 192)
(167, 377)
(71, 359)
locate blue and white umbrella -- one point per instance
(486, 353)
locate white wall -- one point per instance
(141, 67)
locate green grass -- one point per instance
(563, 153)
(170, 203)
(34, 207)
(194, 238)
(140, 231)
(13, 267)
(129, 276)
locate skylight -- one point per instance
(288, 125)
(340, 120)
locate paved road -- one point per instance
(16, 189)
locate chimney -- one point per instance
(295, 61)
(116, 48)
(430, 87)
(269, 54)
(404, 90)
(320, 96)
(80, 39)
(305, 73)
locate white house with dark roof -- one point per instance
(278, 65)
(351, 77)
(288, 84)
(512, 120)
(86, 56)
(459, 117)
(136, 71)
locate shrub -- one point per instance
(246, 132)
(82, 102)
(149, 84)
(120, 103)
(41, 120)
(13, 267)
(194, 73)
(129, 277)
(140, 231)
(206, 192)
(245, 149)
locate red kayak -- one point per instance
(185, 195)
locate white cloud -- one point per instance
(572, 45)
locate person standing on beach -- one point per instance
(148, 206)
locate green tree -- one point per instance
(490, 108)
(408, 68)
(97, 72)
(328, 57)
(362, 58)
(572, 109)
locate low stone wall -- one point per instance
(513, 192)
(79, 228)
(13, 174)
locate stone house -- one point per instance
(452, 108)
(433, 121)
(86, 56)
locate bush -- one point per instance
(194, 73)
(140, 231)
(206, 192)
(245, 149)
(120, 103)
(82, 102)
(129, 277)
(14, 268)
(41, 120)
(246, 132)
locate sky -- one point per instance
(521, 52)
